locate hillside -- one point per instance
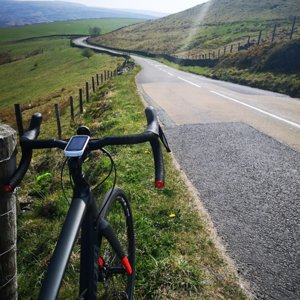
(16, 13)
(207, 26)
(71, 27)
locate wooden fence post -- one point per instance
(97, 79)
(72, 108)
(57, 120)
(87, 92)
(19, 120)
(105, 75)
(293, 28)
(101, 77)
(274, 33)
(259, 38)
(93, 84)
(8, 216)
(80, 101)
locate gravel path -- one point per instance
(250, 185)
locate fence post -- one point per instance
(8, 216)
(93, 84)
(97, 79)
(57, 120)
(87, 92)
(231, 48)
(259, 38)
(72, 108)
(19, 120)
(293, 28)
(80, 101)
(274, 33)
(101, 78)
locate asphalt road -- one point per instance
(240, 148)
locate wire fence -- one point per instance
(84, 96)
(278, 32)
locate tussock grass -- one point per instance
(176, 256)
(282, 83)
(207, 27)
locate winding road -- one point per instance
(240, 148)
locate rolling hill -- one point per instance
(16, 13)
(211, 25)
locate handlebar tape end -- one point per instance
(159, 184)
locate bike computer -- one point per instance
(76, 145)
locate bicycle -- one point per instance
(107, 256)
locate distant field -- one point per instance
(66, 27)
(55, 71)
(47, 68)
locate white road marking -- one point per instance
(192, 83)
(170, 74)
(258, 109)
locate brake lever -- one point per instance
(164, 139)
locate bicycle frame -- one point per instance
(82, 214)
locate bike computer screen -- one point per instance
(76, 145)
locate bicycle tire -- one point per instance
(115, 209)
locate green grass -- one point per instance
(170, 264)
(176, 256)
(208, 27)
(252, 68)
(65, 27)
(58, 70)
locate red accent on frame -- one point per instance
(8, 188)
(100, 262)
(127, 265)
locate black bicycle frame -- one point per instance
(82, 213)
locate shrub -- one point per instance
(87, 52)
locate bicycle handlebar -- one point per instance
(152, 133)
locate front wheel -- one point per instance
(114, 280)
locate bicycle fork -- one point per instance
(106, 230)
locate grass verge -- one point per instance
(281, 83)
(176, 256)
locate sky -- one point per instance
(167, 6)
